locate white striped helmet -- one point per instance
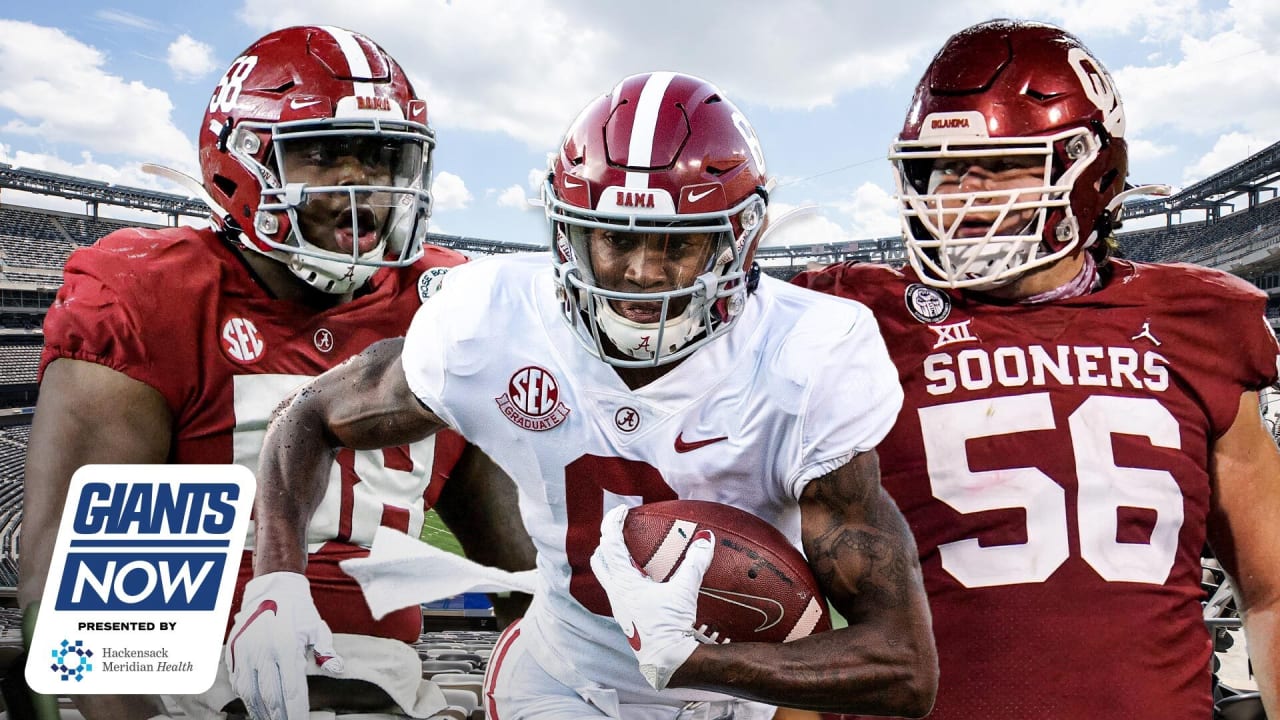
(666, 153)
(314, 84)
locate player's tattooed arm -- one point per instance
(857, 543)
(865, 559)
(363, 404)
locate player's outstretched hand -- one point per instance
(276, 632)
(657, 617)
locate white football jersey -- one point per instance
(800, 384)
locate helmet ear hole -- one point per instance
(1108, 179)
(225, 185)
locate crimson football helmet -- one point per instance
(1008, 89)
(331, 88)
(660, 153)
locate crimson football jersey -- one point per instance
(1051, 461)
(179, 310)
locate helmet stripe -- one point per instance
(645, 124)
(357, 61)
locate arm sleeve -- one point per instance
(117, 310)
(1261, 351)
(852, 399)
(437, 340)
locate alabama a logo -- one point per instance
(926, 304)
(141, 580)
(532, 400)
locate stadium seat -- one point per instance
(472, 683)
(431, 668)
(1245, 706)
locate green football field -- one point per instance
(434, 533)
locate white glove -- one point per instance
(656, 617)
(276, 631)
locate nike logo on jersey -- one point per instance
(684, 446)
(696, 196)
(771, 611)
(633, 637)
(264, 606)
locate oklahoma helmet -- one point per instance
(1003, 89)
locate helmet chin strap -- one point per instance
(335, 275)
(638, 340)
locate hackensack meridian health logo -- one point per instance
(141, 580)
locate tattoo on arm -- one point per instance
(855, 538)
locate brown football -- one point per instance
(758, 589)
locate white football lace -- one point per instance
(702, 634)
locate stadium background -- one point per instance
(1229, 221)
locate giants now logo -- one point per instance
(635, 199)
(144, 568)
(532, 400)
(120, 516)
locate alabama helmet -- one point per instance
(317, 84)
(661, 152)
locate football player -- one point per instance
(1074, 423)
(647, 359)
(174, 345)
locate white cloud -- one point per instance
(1229, 149)
(129, 20)
(801, 225)
(450, 192)
(1143, 151)
(873, 212)
(113, 116)
(515, 197)
(1214, 86)
(1155, 20)
(523, 69)
(190, 59)
(868, 214)
(537, 176)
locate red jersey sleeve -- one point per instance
(1247, 326)
(119, 306)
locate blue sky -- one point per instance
(97, 88)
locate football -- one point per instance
(758, 588)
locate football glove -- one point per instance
(656, 617)
(277, 630)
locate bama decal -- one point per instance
(141, 580)
(532, 400)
